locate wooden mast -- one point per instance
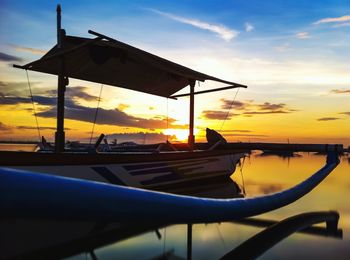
(191, 138)
(61, 88)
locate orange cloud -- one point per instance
(340, 91)
(4, 127)
(28, 49)
(334, 20)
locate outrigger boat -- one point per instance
(111, 62)
(30, 194)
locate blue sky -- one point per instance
(275, 23)
(289, 52)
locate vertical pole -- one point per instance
(58, 12)
(191, 138)
(61, 88)
(189, 241)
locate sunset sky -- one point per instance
(293, 55)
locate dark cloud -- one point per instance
(328, 118)
(271, 107)
(216, 115)
(13, 100)
(52, 101)
(266, 112)
(340, 91)
(237, 105)
(20, 88)
(80, 92)
(45, 101)
(17, 93)
(41, 100)
(41, 127)
(77, 92)
(6, 57)
(4, 127)
(249, 108)
(345, 113)
(110, 117)
(244, 107)
(75, 111)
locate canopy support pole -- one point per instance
(61, 88)
(191, 137)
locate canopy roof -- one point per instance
(108, 61)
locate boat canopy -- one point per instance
(108, 61)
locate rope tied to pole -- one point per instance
(96, 112)
(33, 104)
(228, 111)
(167, 119)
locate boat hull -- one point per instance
(144, 170)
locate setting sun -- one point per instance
(180, 134)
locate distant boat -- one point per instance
(279, 153)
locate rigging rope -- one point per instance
(164, 241)
(167, 119)
(228, 111)
(32, 99)
(98, 105)
(221, 236)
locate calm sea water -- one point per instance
(258, 175)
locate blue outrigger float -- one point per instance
(32, 195)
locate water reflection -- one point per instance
(263, 174)
(282, 154)
(139, 241)
(263, 241)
